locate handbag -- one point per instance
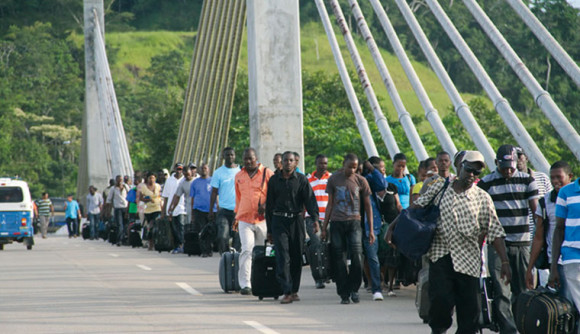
(415, 228)
(543, 262)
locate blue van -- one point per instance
(16, 213)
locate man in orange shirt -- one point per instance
(251, 190)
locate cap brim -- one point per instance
(507, 164)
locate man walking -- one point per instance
(200, 193)
(177, 213)
(318, 181)
(443, 163)
(45, 211)
(467, 216)
(94, 207)
(224, 189)
(288, 194)
(117, 198)
(347, 191)
(513, 193)
(72, 213)
(251, 190)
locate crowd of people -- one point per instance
(353, 208)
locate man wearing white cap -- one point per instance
(513, 193)
(467, 217)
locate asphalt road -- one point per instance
(68, 285)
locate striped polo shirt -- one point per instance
(568, 207)
(319, 188)
(511, 199)
(44, 207)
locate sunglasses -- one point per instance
(472, 170)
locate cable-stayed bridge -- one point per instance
(275, 89)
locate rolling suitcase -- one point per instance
(191, 241)
(113, 234)
(543, 311)
(135, 235)
(103, 231)
(228, 271)
(319, 259)
(86, 231)
(422, 301)
(163, 236)
(264, 280)
(485, 297)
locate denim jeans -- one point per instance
(177, 223)
(224, 220)
(346, 236)
(94, 225)
(572, 278)
(372, 252)
(73, 226)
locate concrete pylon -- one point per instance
(275, 78)
(93, 168)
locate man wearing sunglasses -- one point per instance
(514, 193)
(467, 217)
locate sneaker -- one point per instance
(320, 285)
(246, 291)
(354, 297)
(174, 251)
(377, 296)
(345, 301)
(391, 293)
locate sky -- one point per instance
(575, 3)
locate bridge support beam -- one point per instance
(275, 78)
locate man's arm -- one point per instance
(557, 241)
(173, 204)
(369, 215)
(537, 245)
(533, 204)
(212, 202)
(327, 215)
(506, 273)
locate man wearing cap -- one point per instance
(513, 193)
(177, 214)
(467, 217)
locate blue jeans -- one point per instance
(177, 223)
(346, 236)
(73, 226)
(373, 260)
(224, 220)
(94, 225)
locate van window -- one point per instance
(11, 195)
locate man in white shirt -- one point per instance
(94, 207)
(177, 215)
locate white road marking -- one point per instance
(114, 255)
(188, 289)
(143, 267)
(260, 327)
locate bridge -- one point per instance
(275, 87)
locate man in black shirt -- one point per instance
(288, 194)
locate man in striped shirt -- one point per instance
(513, 193)
(45, 210)
(567, 239)
(318, 181)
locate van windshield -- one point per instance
(11, 195)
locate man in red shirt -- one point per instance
(251, 190)
(318, 181)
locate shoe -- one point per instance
(354, 297)
(44, 237)
(287, 299)
(391, 293)
(176, 251)
(204, 255)
(295, 297)
(320, 285)
(345, 301)
(369, 289)
(246, 291)
(377, 296)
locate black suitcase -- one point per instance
(103, 230)
(485, 297)
(319, 259)
(135, 235)
(422, 302)
(86, 231)
(409, 271)
(228, 271)
(163, 236)
(191, 241)
(543, 311)
(113, 233)
(264, 280)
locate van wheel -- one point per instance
(29, 247)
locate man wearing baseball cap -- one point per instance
(514, 193)
(467, 214)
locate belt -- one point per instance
(517, 243)
(285, 214)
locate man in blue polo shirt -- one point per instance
(567, 239)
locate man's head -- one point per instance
(422, 171)
(192, 168)
(69, 198)
(277, 161)
(506, 160)
(399, 164)
(250, 159)
(127, 179)
(297, 155)
(178, 170)
(118, 180)
(443, 162)
(378, 163)
(44, 195)
(431, 167)
(187, 173)
(457, 158)
(111, 182)
(204, 170)
(522, 164)
(229, 156)
(472, 166)
(350, 164)
(137, 177)
(92, 190)
(289, 162)
(560, 174)
(321, 163)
